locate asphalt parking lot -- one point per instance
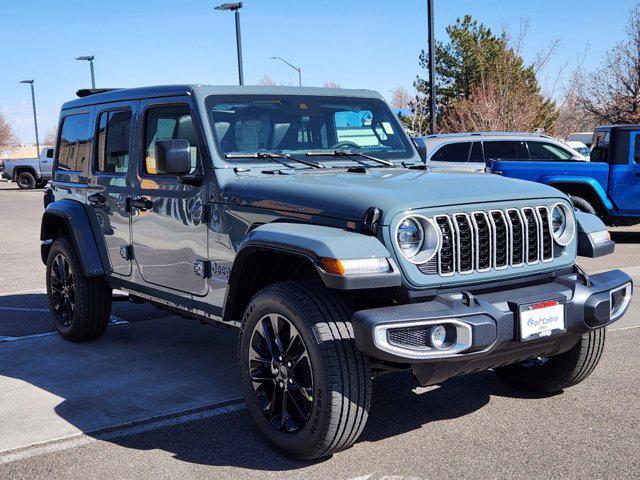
(158, 397)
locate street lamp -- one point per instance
(89, 58)
(35, 118)
(297, 69)
(235, 7)
(432, 68)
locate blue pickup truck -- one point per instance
(608, 185)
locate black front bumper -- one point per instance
(489, 322)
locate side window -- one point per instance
(75, 143)
(476, 153)
(505, 150)
(547, 151)
(49, 153)
(453, 152)
(114, 129)
(636, 148)
(168, 123)
(600, 147)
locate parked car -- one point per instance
(305, 219)
(584, 137)
(579, 147)
(609, 185)
(28, 173)
(472, 151)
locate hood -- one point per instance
(345, 195)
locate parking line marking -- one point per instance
(623, 328)
(23, 292)
(26, 337)
(132, 428)
(24, 309)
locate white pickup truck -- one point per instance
(28, 173)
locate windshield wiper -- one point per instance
(351, 153)
(275, 156)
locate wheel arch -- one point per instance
(25, 168)
(70, 218)
(278, 252)
(586, 188)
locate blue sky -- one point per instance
(356, 43)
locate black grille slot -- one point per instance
(465, 243)
(547, 240)
(500, 239)
(533, 246)
(446, 257)
(409, 337)
(483, 241)
(517, 236)
(617, 299)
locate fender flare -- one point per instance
(553, 180)
(24, 168)
(82, 230)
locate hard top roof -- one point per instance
(117, 95)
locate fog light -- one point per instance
(439, 337)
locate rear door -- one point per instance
(624, 168)
(110, 180)
(46, 163)
(169, 231)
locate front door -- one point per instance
(624, 175)
(169, 230)
(109, 184)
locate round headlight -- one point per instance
(418, 239)
(410, 237)
(563, 224)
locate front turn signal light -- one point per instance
(355, 267)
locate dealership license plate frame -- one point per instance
(527, 307)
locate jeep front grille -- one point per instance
(497, 239)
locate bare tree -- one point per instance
(266, 80)
(331, 84)
(400, 98)
(52, 136)
(7, 136)
(611, 94)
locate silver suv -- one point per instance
(472, 151)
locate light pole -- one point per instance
(297, 69)
(89, 58)
(235, 8)
(432, 68)
(35, 117)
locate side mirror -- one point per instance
(421, 146)
(173, 157)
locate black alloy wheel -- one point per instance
(281, 373)
(63, 292)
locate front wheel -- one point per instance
(306, 385)
(553, 374)
(582, 205)
(80, 305)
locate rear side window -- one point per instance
(506, 150)
(453, 152)
(547, 151)
(476, 153)
(168, 123)
(75, 143)
(114, 131)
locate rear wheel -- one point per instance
(26, 181)
(553, 374)
(80, 305)
(306, 385)
(582, 205)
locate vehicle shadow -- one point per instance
(626, 236)
(398, 407)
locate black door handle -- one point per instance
(141, 203)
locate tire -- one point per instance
(42, 183)
(337, 405)
(556, 373)
(26, 181)
(80, 305)
(582, 205)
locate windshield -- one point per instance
(296, 124)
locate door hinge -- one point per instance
(126, 252)
(202, 268)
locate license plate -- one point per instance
(541, 319)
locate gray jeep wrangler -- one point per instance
(305, 219)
